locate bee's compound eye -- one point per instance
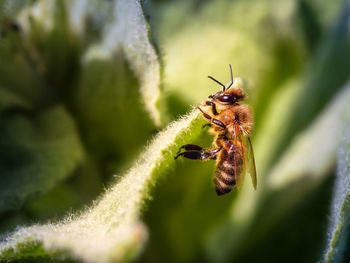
(226, 98)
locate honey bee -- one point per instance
(231, 125)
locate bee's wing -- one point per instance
(239, 163)
(245, 150)
(249, 161)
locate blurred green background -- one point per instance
(86, 85)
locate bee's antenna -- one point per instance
(223, 86)
(231, 78)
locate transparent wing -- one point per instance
(239, 156)
(244, 161)
(249, 160)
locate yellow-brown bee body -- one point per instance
(233, 150)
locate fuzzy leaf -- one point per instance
(129, 35)
(118, 77)
(100, 85)
(111, 229)
(338, 232)
(79, 54)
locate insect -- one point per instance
(231, 123)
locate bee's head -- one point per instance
(228, 97)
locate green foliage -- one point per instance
(339, 225)
(85, 85)
(37, 152)
(110, 230)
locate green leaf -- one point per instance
(109, 109)
(328, 68)
(327, 11)
(37, 151)
(51, 48)
(97, 59)
(29, 87)
(338, 232)
(129, 34)
(310, 24)
(109, 81)
(119, 89)
(111, 229)
(56, 40)
(303, 158)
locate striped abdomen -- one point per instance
(230, 163)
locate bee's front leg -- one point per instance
(212, 120)
(213, 107)
(196, 152)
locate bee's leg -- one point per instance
(190, 147)
(201, 155)
(210, 154)
(213, 107)
(190, 155)
(215, 121)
